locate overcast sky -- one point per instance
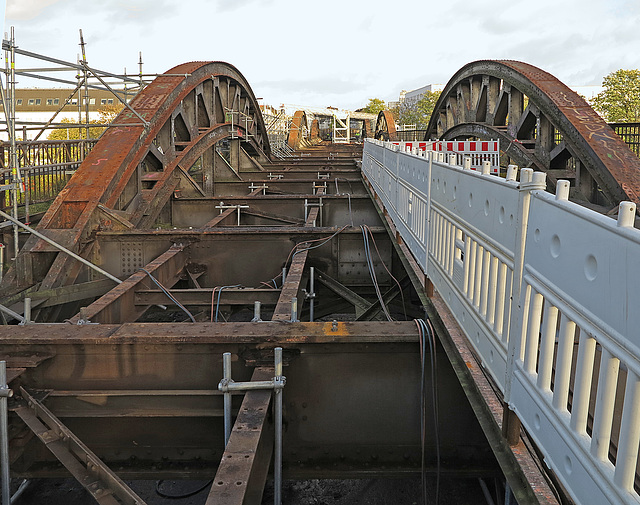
(336, 52)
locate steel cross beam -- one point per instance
(360, 304)
(226, 213)
(202, 296)
(104, 485)
(292, 285)
(118, 305)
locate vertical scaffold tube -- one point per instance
(277, 463)
(312, 292)
(4, 435)
(226, 374)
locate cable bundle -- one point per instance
(427, 335)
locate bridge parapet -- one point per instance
(544, 290)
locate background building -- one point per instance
(38, 105)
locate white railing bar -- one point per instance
(605, 335)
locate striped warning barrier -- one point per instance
(478, 150)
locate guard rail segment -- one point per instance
(546, 292)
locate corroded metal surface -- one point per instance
(385, 126)
(297, 130)
(133, 171)
(557, 129)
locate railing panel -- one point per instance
(471, 241)
(583, 267)
(565, 352)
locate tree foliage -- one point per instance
(619, 101)
(106, 114)
(375, 106)
(419, 113)
(74, 132)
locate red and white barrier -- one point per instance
(478, 150)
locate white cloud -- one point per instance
(340, 53)
(26, 9)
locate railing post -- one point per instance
(432, 155)
(529, 181)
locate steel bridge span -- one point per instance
(181, 238)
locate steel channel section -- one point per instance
(227, 256)
(344, 416)
(293, 283)
(103, 485)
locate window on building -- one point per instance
(56, 101)
(19, 101)
(103, 101)
(49, 101)
(92, 101)
(31, 101)
(38, 101)
(74, 101)
(110, 101)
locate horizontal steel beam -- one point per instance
(203, 296)
(118, 305)
(214, 333)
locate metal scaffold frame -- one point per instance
(14, 176)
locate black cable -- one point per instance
(169, 295)
(295, 250)
(179, 496)
(425, 331)
(372, 272)
(434, 392)
(422, 413)
(404, 306)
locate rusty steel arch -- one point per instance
(299, 131)
(134, 170)
(541, 123)
(385, 126)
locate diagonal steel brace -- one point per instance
(104, 485)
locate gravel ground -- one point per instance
(309, 492)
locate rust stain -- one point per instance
(612, 153)
(338, 329)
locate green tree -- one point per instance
(107, 114)
(619, 101)
(75, 133)
(419, 113)
(375, 106)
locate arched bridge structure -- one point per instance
(165, 148)
(385, 126)
(191, 308)
(541, 124)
